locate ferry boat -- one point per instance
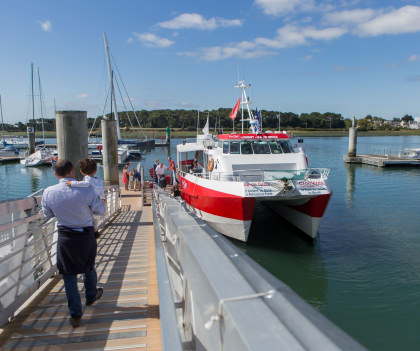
(236, 171)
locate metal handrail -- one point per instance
(28, 250)
(259, 175)
(223, 300)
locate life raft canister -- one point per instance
(210, 164)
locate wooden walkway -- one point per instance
(127, 315)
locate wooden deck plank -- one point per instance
(127, 315)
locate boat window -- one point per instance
(275, 147)
(225, 147)
(246, 148)
(286, 146)
(234, 147)
(261, 147)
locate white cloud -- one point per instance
(152, 40)
(197, 21)
(395, 21)
(244, 50)
(82, 96)
(45, 26)
(283, 7)
(287, 36)
(413, 58)
(350, 16)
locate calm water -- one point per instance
(363, 269)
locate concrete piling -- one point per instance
(72, 139)
(110, 152)
(353, 139)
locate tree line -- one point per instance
(187, 120)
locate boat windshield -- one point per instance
(234, 147)
(261, 147)
(246, 148)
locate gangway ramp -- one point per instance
(127, 315)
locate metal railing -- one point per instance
(258, 175)
(214, 297)
(28, 248)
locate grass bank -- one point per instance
(158, 133)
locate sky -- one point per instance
(349, 57)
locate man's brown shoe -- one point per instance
(99, 294)
(75, 321)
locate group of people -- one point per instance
(135, 175)
(74, 203)
(159, 173)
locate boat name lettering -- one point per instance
(256, 184)
(308, 183)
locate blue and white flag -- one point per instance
(257, 117)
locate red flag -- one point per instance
(235, 110)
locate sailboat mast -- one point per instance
(31, 130)
(2, 123)
(108, 61)
(40, 102)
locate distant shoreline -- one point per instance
(160, 133)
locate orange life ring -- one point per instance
(210, 164)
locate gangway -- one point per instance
(127, 317)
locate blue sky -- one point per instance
(349, 57)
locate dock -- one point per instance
(10, 159)
(382, 160)
(127, 315)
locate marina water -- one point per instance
(363, 269)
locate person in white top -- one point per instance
(89, 168)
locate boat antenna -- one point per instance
(110, 74)
(245, 101)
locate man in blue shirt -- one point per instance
(76, 244)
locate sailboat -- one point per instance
(8, 150)
(135, 142)
(41, 156)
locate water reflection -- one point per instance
(288, 254)
(351, 180)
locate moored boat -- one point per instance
(40, 157)
(236, 171)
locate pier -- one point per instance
(126, 317)
(388, 158)
(383, 160)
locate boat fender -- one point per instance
(210, 164)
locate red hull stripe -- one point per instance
(218, 203)
(315, 207)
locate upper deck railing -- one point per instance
(259, 175)
(28, 250)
